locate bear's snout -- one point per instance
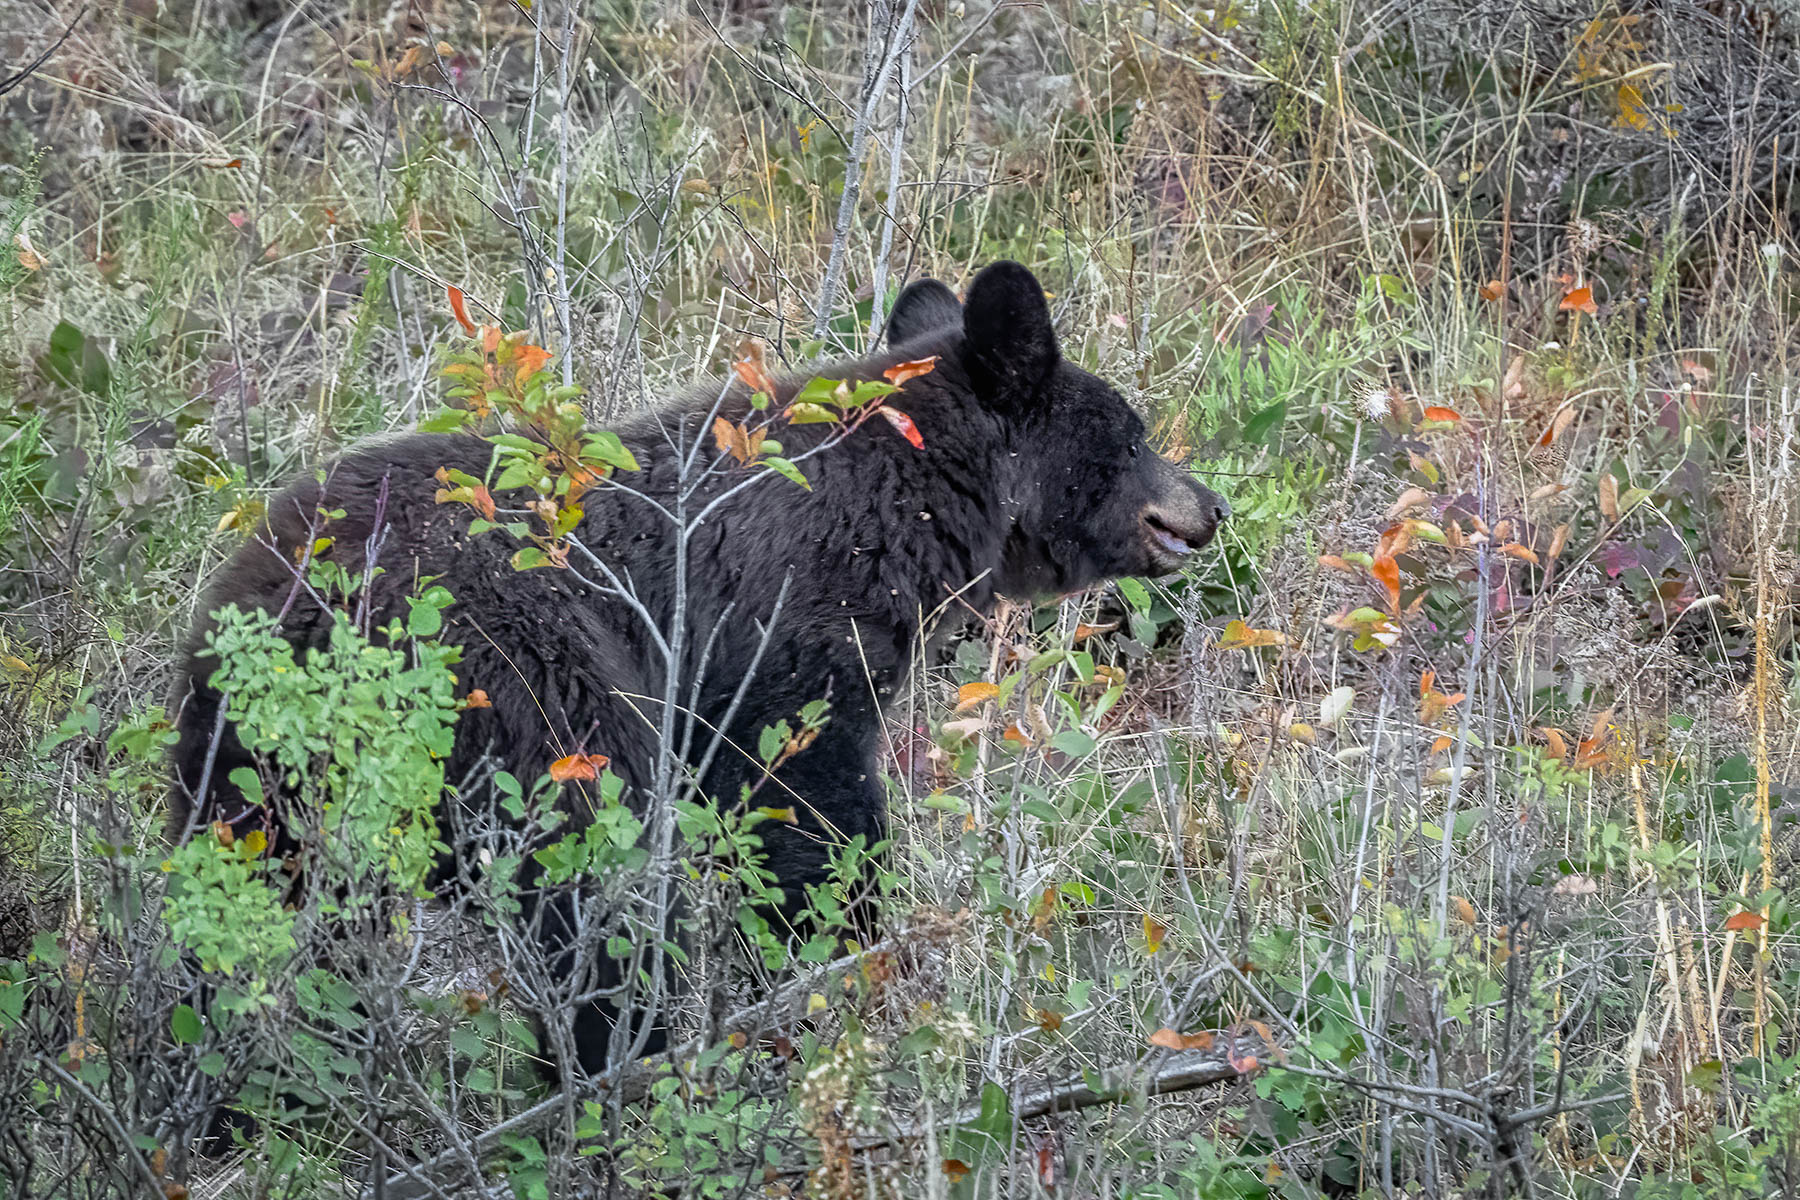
(1180, 521)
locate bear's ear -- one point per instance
(924, 307)
(1007, 332)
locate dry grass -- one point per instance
(1492, 932)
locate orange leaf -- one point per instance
(461, 311)
(1016, 736)
(1387, 573)
(904, 424)
(1084, 632)
(1334, 562)
(1441, 743)
(1492, 290)
(1580, 299)
(528, 361)
(971, 695)
(1515, 550)
(1168, 1039)
(1590, 752)
(955, 1170)
(1465, 911)
(1565, 416)
(1438, 413)
(1246, 1065)
(899, 373)
(1740, 922)
(477, 698)
(1555, 745)
(1154, 933)
(752, 369)
(221, 163)
(577, 766)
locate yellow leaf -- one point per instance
(1633, 113)
(1154, 933)
(1239, 636)
(972, 695)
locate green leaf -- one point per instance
(247, 781)
(1074, 743)
(819, 392)
(446, 420)
(1258, 428)
(786, 470)
(869, 389)
(185, 1024)
(607, 447)
(1135, 593)
(528, 558)
(810, 414)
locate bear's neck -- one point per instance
(849, 572)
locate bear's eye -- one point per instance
(1132, 450)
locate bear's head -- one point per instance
(1088, 499)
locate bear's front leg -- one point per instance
(837, 797)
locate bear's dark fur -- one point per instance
(1034, 478)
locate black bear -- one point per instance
(1033, 477)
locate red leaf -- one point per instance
(1744, 921)
(904, 424)
(899, 373)
(1437, 413)
(461, 311)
